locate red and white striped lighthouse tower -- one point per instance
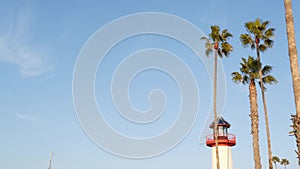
(225, 142)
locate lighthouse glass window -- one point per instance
(222, 131)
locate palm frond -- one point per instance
(262, 47)
(208, 45)
(269, 80)
(244, 66)
(257, 22)
(246, 79)
(257, 28)
(219, 51)
(225, 35)
(248, 26)
(269, 43)
(246, 40)
(226, 48)
(236, 77)
(275, 159)
(269, 33)
(208, 51)
(266, 70)
(244, 60)
(215, 33)
(265, 24)
(204, 38)
(254, 64)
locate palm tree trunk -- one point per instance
(216, 135)
(50, 162)
(270, 156)
(254, 123)
(294, 70)
(267, 130)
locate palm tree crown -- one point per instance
(275, 160)
(258, 31)
(218, 40)
(250, 71)
(284, 162)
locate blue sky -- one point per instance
(39, 46)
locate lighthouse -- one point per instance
(225, 142)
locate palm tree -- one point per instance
(249, 74)
(259, 39)
(284, 162)
(217, 42)
(275, 160)
(294, 71)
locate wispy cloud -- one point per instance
(16, 47)
(29, 118)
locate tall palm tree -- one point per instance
(284, 162)
(249, 74)
(259, 39)
(217, 41)
(294, 70)
(276, 160)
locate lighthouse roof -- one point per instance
(220, 122)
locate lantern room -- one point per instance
(224, 138)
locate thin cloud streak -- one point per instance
(15, 47)
(29, 118)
